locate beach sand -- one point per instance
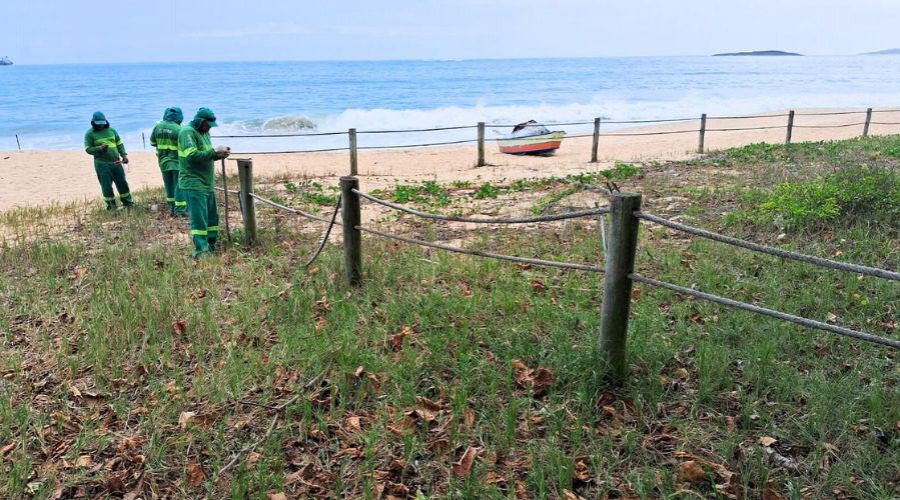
(42, 177)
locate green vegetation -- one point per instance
(127, 367)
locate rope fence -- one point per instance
(478, 253)
(480, 140)
(619, 246)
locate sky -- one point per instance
(64, 31)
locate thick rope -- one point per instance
(492, 220)
(290, 152)
(841, 266)
(651, 133)
(743, 128)
(745, 117)
(427, 144)
(255, 136)
(595, 187)
(461, 127)
(537, 262)
(315, 255)
(831, 126)
(664, 120)
(769, 312)
(291, 210)
(829, 113)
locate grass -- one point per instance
(158, 369)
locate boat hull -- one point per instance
(543, 144)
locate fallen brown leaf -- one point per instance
(179, 326)
(464, 465)
(767, 441)
(185, 419)
(195, 474)
(691, 472)
(397, 338)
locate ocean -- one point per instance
(50, 106)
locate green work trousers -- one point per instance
(109, 174)
(204, 220)
(174, 196)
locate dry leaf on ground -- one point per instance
(464, 465)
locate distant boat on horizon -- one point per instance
(5, 61)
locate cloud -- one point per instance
(255, 30)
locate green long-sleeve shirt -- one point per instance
(165, 139)
(94, 140)
(196, 157)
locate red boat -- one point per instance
(531, 138)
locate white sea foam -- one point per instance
(690, 106)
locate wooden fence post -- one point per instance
(351, 218)
(595, 146)
(480, 144)
(622, 244)
(868, 122)
(702, 132)
(353, 153)
(790, 127)
(248, 206)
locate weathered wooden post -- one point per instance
(622, 243)
(225, 199)
(868, 122)
(353, 154)
(790, 127)
(702, 132)
(248, 206)
(595, 146)
(480, 144)
(351, 218)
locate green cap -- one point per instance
(206, 115)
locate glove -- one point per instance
(104, 148)
(222, 152)
(124, 160)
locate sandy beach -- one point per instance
(41, 177)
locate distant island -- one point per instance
(759, 53)
(888, 52)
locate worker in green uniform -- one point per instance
(103, 143)
(165, 139)
(197, 179)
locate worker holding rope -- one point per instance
(196, 158)
(103, 143)
(165, 139)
